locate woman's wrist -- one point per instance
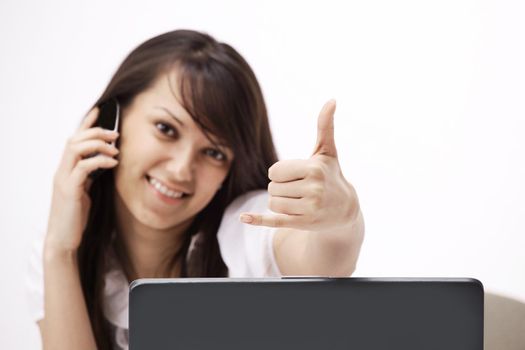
(54, 251)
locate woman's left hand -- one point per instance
(311, 194)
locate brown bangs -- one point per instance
(206, 92)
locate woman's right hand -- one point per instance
(71, 202)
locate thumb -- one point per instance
(325, 144)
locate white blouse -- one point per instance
(246, 250)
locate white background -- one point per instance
(429, 123)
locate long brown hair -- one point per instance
(222, 95)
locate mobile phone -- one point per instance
(108, 118)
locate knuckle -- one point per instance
(316, 191)
(271, 170)
(83, 165)
(276, 205)
(315, 198)
(95, 145)
(315, 171)
(278, 221)
(271, 187)
(109, 146)
(316, 203)
(102, 133)
(73, 147)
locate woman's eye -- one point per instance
(166, 129)
(170, 131)
(218, 155)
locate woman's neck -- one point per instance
(148, 250)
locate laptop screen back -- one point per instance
(306, 314)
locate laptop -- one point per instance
(306, 313)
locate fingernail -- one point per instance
(246, 218)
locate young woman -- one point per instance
(194, 152)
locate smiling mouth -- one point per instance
(165, 191)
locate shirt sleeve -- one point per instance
(34, 280)
(247, 250)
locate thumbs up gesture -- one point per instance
(310, 194)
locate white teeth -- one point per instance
(163, 189)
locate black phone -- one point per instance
(108, 118)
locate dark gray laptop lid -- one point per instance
(306, 313)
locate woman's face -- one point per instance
(163, 152)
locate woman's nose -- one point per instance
(181, 165)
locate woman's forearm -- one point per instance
(335, 253)
(317, 253)
(66, 323)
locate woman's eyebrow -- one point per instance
(170, 113)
